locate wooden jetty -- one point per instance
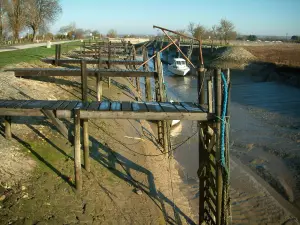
(214, 207)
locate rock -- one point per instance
(25, 195)
(138, 191)
(2, 198)
(23, 188)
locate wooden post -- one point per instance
(137, 79)
(162, 99)
(201, 93)
(8, 127)
(59, 52)
(56, 55)
(84, 87)
(86, 145)
(218, 105)
(99, 78)
(209, 96)
(147, 79)
(83, 81)
(77, 152)
(160, 76)
(158, 99)
(109, 58)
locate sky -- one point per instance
(259, 17)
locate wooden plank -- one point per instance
(71, 105)
(211, 197)
(154, 107)
(2, 102)
(210, 218)
(105, 114)
(41, 72)
(50, 104)
(115, 106)
(168, 107)
(190, 107)
(104, 106)
(94, 106)
(179, 107)
(7, 103)
(22, 102)
(53, 106)
(139, 107)
(34, 104)
(126, 106)
(63, 105)
(210, 206)
(85, 105)
(12, 103)
(20, 112)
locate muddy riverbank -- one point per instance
(264, 138)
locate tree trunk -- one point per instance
(16, 34)
(34, 34)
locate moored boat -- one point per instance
(179, 67)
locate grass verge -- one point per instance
(31, 54)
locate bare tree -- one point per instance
(1, 19)
(226, 30)
(112, 33)
(199, 32)
(214, 33)
(191, 28)
(16, 16)
(40, 13)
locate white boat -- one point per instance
(179, 67)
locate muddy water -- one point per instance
(265, 132)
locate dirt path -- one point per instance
(124, 187)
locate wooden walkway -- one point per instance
(93, 61)
(107, 109)
(40, 72)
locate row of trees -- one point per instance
(72, 32)
(224, 31)
(16, 15)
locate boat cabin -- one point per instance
(178, 62)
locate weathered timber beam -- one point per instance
(58, 124)
(20, 112)
(41, 72)
(93, 61)
(136, 115)
(87, 54)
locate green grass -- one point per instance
(30, 54)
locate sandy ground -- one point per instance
(124, 187)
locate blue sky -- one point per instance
(261, 17)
